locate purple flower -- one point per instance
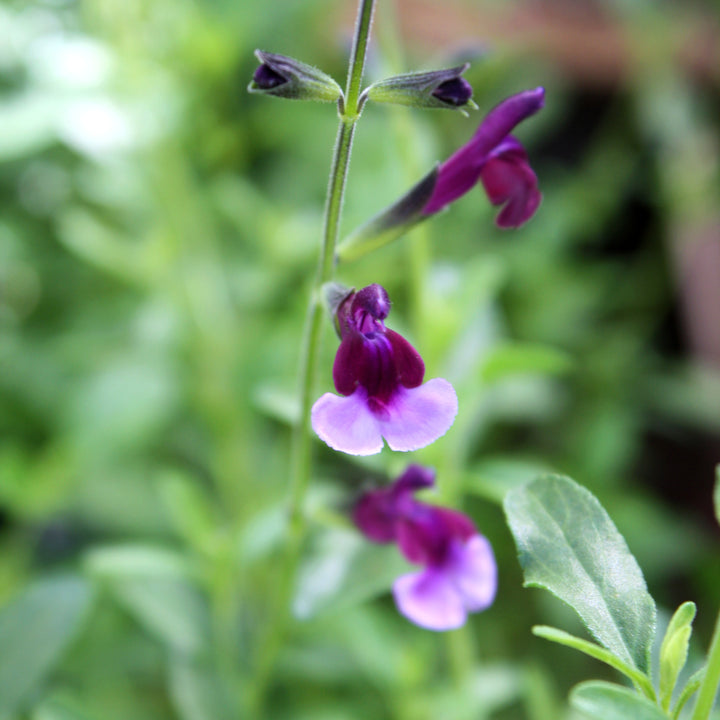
(459, 574)
(498, 160)
(379, 377)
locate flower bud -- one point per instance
(434, 89)
(289, 78)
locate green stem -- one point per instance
(359, 51)
(301, 450)
(709, 686)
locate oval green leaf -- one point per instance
(607, 701)
(35, 629)
(568, 545)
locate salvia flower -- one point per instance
(289, 78)
(492, 157)
(459, 574)
(379, 376)
(498, 160)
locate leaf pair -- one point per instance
(568, 545)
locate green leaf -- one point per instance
(710, 679)
(155, 586)
(59, 707)
(599, 653)
(523, 359)
(568, 545)
(196, 691)
(345, 570)
(189, 507)
(716, 494)
(607, 701)
(674, 650)
(691, 687)
(35, 630)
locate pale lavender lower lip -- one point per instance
(415, 418)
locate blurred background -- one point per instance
(159, 227)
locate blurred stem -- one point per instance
(301, 451)
(709, 686)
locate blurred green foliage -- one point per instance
(158, 229)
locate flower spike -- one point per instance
(379, 376)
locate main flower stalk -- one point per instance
(302, 438)
(301, 455)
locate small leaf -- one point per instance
(154, 585)
(345, 570)
(189, 507)
(196, 691)
(607, 701)
(35, 629)
(674, 650)
(60, 707)
(691, 687)
(599, 653)
(568, 545)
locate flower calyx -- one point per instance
(286, 77)
(440, 89)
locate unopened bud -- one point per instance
(289, 78)
(434, 89)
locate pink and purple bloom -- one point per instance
(497, 160)
(379, 376)
(459, 574)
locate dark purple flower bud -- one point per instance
(456, 92)
(459, 575)
(265, 78)
(379, 377)
(434, 89)
(496, 158)
(289, 78)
